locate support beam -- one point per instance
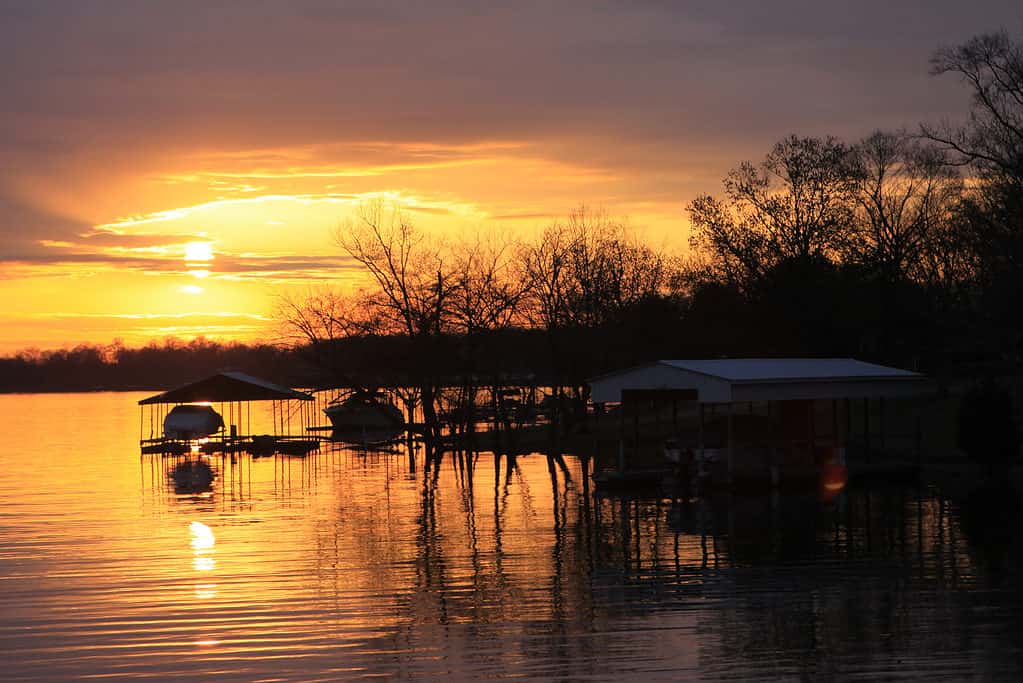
(866, 430)
(699, 435)
(731, 442)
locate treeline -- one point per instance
(154, 366)
(905, 247)
(900, 246)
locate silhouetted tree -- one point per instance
(905, 194)
(793, 205)
(314, 322)
(489, 295)
(589, 268)
(987, 425)
(990, 143)
(412, 287)
(905, 202)
(587, 272)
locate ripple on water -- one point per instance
(346, 565)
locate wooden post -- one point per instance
(847, 407)
(635, 430)
(866, 430)
(699, 434)
(834, 422)
(880, 407)
(621, 435)
(919, 440)
(772, 461)
(811, 425)
(731, 442)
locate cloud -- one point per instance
(261, 266)
(41, 330)
(128, 129)
(114, 238)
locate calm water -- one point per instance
(346, 565)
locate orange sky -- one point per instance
(171, 169)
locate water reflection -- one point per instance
(191, 476)
(417, 564)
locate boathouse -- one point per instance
(232, 393)
(762, 417)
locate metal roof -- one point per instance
(773, 369)
(225, 387)
(754, 379)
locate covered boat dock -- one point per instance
(232, 393)
(760, 418)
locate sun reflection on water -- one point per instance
(202, 536)
(203, 543)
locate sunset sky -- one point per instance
(170, 168)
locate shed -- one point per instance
(729, 380)
(783, 390)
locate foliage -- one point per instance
(905, 193)
(990, 145)
(886, 248)
(792, 205)
(115, 366)
(987, 425)
(991, 65)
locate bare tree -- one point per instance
(489, 295)
(906, 197)
(793, 205)
(324, 315)
(490, 285)
(413, 282)
(589, 268)
(413, 285)
(992, 141)
(586, 271)
(317, 320)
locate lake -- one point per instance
(348, 565)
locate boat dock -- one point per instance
(291, 413)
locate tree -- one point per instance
(905, 194)
(413, 281)
(587, 272)
(319, 319)
(490, 290)
(490, 285)
(905, 202)
(793, 205)
(987, 425)
(990, 143)
(412, 287)
(589, 268)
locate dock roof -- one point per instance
(723, 380)
(225, 387)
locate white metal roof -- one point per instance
(227, 386)
(765, 369)
(759, 379)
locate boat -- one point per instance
(364, 410)
(192, 421)
(192, 476)
(376, 439)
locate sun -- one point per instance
(198, 251)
